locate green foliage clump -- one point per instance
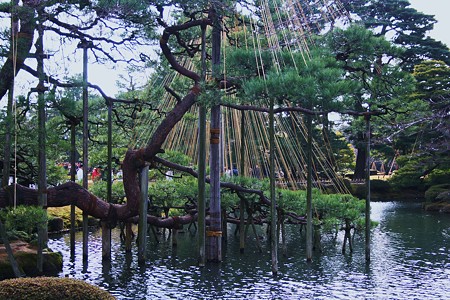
(438, 176)
(329, 210)
(432, 193)
(99, 189)
(381, 186)
(46, 288)
(22, 222)
(420, 172)
(173, 193)
(409, 174)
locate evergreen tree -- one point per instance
(403, 25)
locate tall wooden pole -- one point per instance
(273, 206)
(367, 213)
(42, 176)
(202, 164)
(106, 230)
(9, 107)
(309, 222)
(242, 173)
(143, 208)
(72, 178)
(214, 232)
(7, 150)
(7, 138)
(84, 45)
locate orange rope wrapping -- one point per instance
(210, 233)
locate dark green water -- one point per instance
(410, 259)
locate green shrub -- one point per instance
(407, 177)
(45, 288)
(99, 189)
(330, 210)
(435, 190)
(438, 176)
(23, 219)
(381, 186)
(173, 192)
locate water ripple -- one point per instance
(407, 262)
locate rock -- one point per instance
(55, 224)
(26, 257)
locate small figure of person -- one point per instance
(169, 175)
(80, 173)
(96, 175)
(119, 175)
(227, 173)
(257, 172)
(235, 171)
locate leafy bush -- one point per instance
(50, 288)
(330, 210)
(23, 221)
(435, 190)
(407, 177)
(99, 189)
(438, 176)
(171, 193)
(380, 186)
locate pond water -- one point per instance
(410, 259)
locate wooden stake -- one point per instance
(143, 208)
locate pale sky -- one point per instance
(440, 9)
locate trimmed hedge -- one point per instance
(49, 288)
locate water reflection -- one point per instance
(410, 260)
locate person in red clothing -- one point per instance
(96, 175)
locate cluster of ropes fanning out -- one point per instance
(290, 156)
(251, 142)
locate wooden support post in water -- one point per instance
(224, 225)
(106, 230)
(143, 208)
(309, 222)
(84, 45)
(202, 165)
(258, 243)
(18, 272)
(128, 236)
(214, 232)
(283, 237)
(367, 219)
(273, 206)
(72, 178)
(241, 199)
(42, 159)
(174, 237)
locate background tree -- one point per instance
(423, 133)
(403, 25)
(370, 62)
